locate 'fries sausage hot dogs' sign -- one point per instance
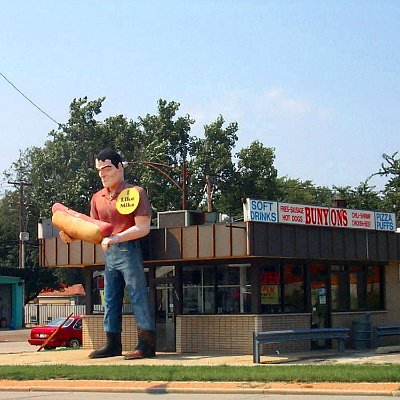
(127, 201)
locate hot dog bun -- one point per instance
(79, 226)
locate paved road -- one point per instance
(16, 347)
(172, 396)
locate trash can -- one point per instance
(362, 333)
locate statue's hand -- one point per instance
(109, 241)
(65, 238)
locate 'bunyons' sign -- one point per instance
(286, 213)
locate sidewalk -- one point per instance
(15, 351)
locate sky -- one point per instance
(316, 80)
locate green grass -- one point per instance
(259, 373)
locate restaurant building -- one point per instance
(286, 266)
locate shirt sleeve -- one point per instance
(144, 207)
(93, 210)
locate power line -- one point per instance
(27, 98)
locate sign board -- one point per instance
(304, 215)
(24, 236)
(260, 210)
(359, 219)
(269, 294)
(299, 214)
(385, 221)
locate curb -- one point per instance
(318, 388)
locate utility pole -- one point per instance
(23, 235)
(209, 192)
(183, 184)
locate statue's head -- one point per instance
(110, 168)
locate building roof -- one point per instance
(238, 242)
(74, 290)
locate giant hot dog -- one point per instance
(79, 226)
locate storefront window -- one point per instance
(339, 288)
(223, 289)
(293, 288)
(373, 288)
(270, 290)
(357, 286)
(198, 290)
(245, 289)
(228, 300)
(233, 289)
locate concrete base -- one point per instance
(388, 349)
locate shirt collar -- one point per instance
(106, 193)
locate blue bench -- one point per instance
(259, 338)
(385, 330)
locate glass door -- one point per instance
(165, 317)
(320, 309)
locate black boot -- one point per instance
(113, 347)
(146, 347)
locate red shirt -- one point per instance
(104, 209)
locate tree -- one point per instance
(62, 171)
(9, 231)
(303, 192)
(213, 159)
(164, 142)
(35, 278)
(390, 168)
(256, 172)
(362, 197)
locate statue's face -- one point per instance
(110, 176)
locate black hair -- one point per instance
(110, 154)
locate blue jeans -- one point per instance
(124, 267)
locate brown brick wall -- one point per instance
(284, 322)
(233, 334)
(94, 336)
(215, 333)
(392, 281)
(392, 302)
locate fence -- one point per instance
(41, 314)
(126, 308)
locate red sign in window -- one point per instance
(270, 278)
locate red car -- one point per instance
(69, 335)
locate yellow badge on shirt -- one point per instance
(128, 200)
